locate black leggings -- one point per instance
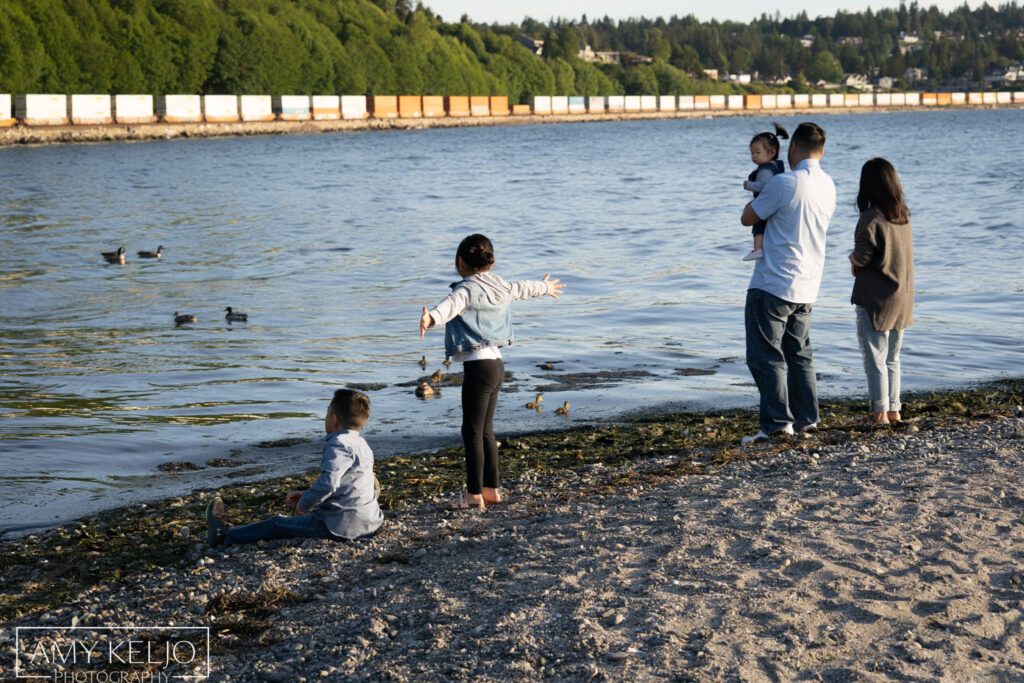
(480, 385)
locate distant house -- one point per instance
(711, 73)
(632, 59)
(807, 41)
(885, 83)
(909, 42)
(589, 55)
(742, 79)
(858, 81)
(1000, 76)
(851, 40)
(534, 46)
(914, 74)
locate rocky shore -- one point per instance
(657, 549)
(45, 135)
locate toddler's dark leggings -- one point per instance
(480, 385)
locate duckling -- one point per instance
(423, 362)
(535, 405)
(235, 317)
(152, 254)
(114, 256)
(564, 410)
(436, 377)
(424, 390)
(181, 319)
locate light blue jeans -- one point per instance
(881, 351)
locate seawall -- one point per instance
(43, 135)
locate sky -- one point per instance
(513, 11)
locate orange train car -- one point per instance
(433, 106)
(456, 105)
(520, 110)
(383, 106)
(945, 98)
(410, 107)
(499, 105)
(751, 101)
(479, 105)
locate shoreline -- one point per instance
(409, 478)
(20, 135)
(858, 549)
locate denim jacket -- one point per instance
(476, 313)
(343, 495)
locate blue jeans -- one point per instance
(881, 351)
(278, 526)
(780, 358)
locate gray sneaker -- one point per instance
(215, 529)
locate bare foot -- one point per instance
(879, 418)
(491, 496)
(894, 416)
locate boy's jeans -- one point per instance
(296, 526)
(780, 358)
(881, 351)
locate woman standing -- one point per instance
(883, 292)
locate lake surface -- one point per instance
(332, 243)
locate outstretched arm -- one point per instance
(528, 289)
(452, 305)
(426, 322)
(554, 287)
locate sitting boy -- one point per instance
(340, 505)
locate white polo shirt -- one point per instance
(797, 206)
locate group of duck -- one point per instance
(536, 405)
(426, 390)
(118, 257)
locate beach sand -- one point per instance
(855, 554)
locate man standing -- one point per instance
(797, 206)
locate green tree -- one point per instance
(824, 67)
(641, 80)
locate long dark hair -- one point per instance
(880, 188)
(771, 140)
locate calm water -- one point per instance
(332, 243)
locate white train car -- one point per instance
(220, 108)
(255, 108)
(179, 108)
(133, 109)
(353, 107)
(41, 110)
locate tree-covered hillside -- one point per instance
(955, 46)
(267, 47)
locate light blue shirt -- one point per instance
(797, 206)
(343, 495)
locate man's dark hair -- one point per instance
(351, 407)
(476, 252)
(809, 137)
